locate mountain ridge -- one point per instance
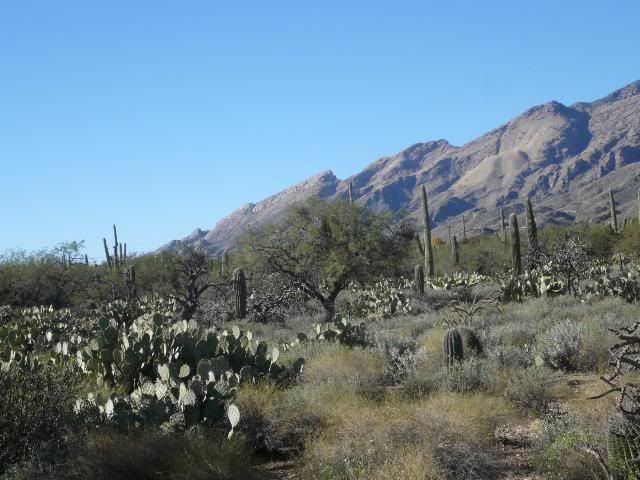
(565, 158)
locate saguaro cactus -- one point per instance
(502, 226)
(455, 251)
(115, 247)
(224, 263)
(350, 192)
(614, 216)
(514, 232)
(464, 229)
(418, 276)
(240, 290)
(428, 248)
(532, 230)
(106, 254)
(453, 347)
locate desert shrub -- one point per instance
(561, 346)
(36, 413)
(277, 421)
(281, 421)
(562, 445)
(154, 456)
(362, 370)
(529, 389)
(474, 373)
(442, 437)
(400, 353)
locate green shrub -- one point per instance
(156, 456)
(561, 346)
(36, 413)
(530, 389)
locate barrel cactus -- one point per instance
(453, 347)
(240, 291)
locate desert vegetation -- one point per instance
(339, 343)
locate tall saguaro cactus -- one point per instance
(614, 215)
(115, 247)
(240, 291)
(532, 230)
(106, 254)
(502, 226)
(514, 233)
(418, 277)
(428, 248)
(224, 263)
(350, 192)
(464, 229)
(455, 251)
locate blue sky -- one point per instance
(163, 116)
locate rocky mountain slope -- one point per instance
(565, 158)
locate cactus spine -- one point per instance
(455, 251)
(453, 347)
(240, 290)
(418, 276)
(502, 226)
(514, 232)
(428, 248)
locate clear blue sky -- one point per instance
(164, 116)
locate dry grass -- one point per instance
(445, 436)
(155, 456)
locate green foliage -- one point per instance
(36, 411)
(383, 299)
(623, 449)
(154, 369)
(324, 247)
(561, 346)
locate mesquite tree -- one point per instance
(321, 248)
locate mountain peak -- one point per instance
(623, 93)
(561, 156)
